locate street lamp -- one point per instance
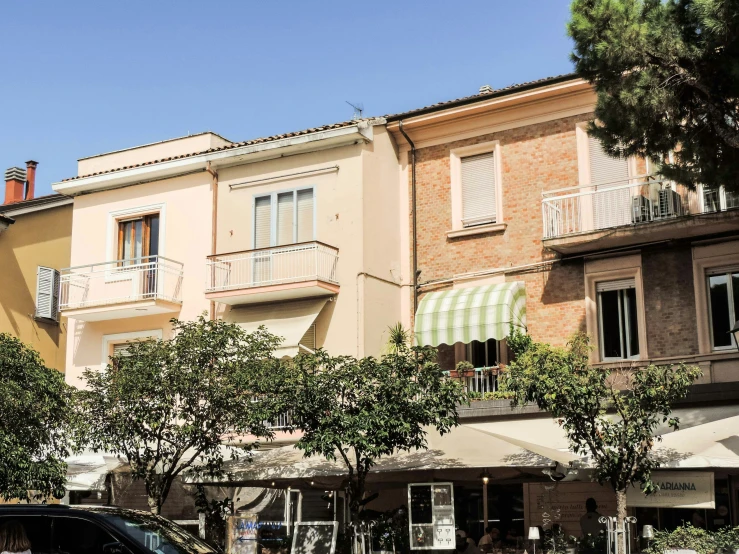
(485, 476)
(735, 333)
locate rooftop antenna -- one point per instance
(358, 109)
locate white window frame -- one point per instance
(455, 167)
(622, 319)
(273, 214)
(118, 338)
(722, 270)
(608, 269)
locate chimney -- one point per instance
(15, 184)
(30, 178)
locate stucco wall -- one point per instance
(184, 237)
(37, 238)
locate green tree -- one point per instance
(358, 410)
(610, 415)
(666, 73)
(34, 413)
(177, 405)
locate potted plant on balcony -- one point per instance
(462, 369)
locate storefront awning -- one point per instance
(711, 445)
(88, 471)
(473, 313)
(289, 320)
(455, 453)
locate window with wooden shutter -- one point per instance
(478, 189)
(138, 239)
(120, 349)
(47, 293)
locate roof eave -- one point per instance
(330, 138)
(476, 99)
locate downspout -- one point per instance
(413, 216)
(213, 228)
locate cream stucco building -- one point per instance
(298, 232)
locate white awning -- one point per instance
(87, 472)
(464, 448)
(288, 320)
(711, 445)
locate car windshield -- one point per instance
(155, 533)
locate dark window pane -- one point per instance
(77, 536)
(492, 353)
(633, 327)
(38, 531)
(154, 235)
(477, 351)
(720, 321)
(610, 320)
(421, 504)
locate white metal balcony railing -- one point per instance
(641, 200)
(121, 281)
(308, 261)
(281, 422)
(481, 382)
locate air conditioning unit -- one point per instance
(670, 204)
(641, 209)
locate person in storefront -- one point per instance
(511, 537)
(462, 545)
(490, 540)
(590, 522)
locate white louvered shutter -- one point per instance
(305, 215)
(621, 284)
(611, 208)
(262, 222)
(285, 218)
(478, 189)
(47, 293)
(604, 168)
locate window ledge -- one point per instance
(477, 230)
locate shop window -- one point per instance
(723, 305)
(618, 326)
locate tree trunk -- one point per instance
(621, 521)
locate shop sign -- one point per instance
(431, 516)
(677, 489)
(242, 532)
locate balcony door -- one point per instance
(282, 219)
(138, 246)
(611, 198)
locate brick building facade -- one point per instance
(538, 135)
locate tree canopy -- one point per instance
(610, 415)
(34, 413)
(359, 410)
(181, 404)
(666, 73)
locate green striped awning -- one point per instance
(473, 313)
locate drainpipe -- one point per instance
(213, 229)
(413, 216)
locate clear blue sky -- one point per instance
(82, 78)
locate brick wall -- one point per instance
(669, 298)
(534, 158)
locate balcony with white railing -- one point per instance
(121, 289)
(606, 215)
(272, 274)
